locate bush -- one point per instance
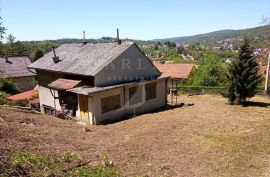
(8, 86)
(3, 98)
(22, 103)
(212, 72)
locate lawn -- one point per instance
(209, 138)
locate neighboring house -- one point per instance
(98, 82)
(31, 96)
(178, 72)
(15, 68)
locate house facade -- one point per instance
(99, 82)
(15, 68)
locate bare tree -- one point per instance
(265, 20)
(10, 39)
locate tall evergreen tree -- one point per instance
(14, 49)
(243, 77)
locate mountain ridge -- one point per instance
(212, 37)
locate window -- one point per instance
(110, 103)
(150, 91)
(48, 110)
(135, 95)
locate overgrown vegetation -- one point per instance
(67, 164)
(7, 87)
(210, 73)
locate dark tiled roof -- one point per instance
(15, 67)
(176, 71)
(81, 59)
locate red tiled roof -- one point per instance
(176, 71)
(22, 96)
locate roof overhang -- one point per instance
(64, 84)
(86, 90)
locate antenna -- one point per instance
(117, 38)
(84, 41)
(55, 58)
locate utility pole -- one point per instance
(267, 76)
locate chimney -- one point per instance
(55, 58)
(84, 41)
(117, 38)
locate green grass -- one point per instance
(28, 164)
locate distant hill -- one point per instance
(76, 40)
(261, 32)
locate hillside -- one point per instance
(261, 32)
(222, 140)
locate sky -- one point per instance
(136, 19)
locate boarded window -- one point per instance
(150, 91)
(110, 103)
(135, 95)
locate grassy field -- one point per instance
(210, 138)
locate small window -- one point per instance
(110, 103)
(48, 110)
(135, 95)
(150, 91)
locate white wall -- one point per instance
(126, 109)
(46, 98)
(129, 66)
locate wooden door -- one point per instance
(83, 100)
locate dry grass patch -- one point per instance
(210, 138)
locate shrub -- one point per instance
(8, 86)
(28, 164)
(212, 72)
(3, 98)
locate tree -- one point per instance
(14, 49)
(8, 86)
(37, 54)
(210, 73)
(2, 29)
(243, 77)
(10, 39)
(20, 49)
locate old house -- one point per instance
(15, 68)
(98, 82)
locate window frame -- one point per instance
(135, 100)
(114, 103)
(150, 86)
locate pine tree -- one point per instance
(243, 77)
(14, 49)
(2, 29)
